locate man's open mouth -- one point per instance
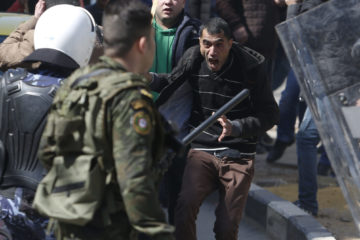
(213, 61)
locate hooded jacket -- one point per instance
(187, 35)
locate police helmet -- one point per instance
(64, 36)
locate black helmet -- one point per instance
(50, 3)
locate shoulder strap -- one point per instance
(107, 90)
(89, 75)
(114, 85)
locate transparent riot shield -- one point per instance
(323, 47)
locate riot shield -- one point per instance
(323, 47)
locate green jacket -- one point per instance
(133, 142)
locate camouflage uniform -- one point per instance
(130, 199)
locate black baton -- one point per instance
(211, 120)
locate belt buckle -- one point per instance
(217, 155)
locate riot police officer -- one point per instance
(64, 38)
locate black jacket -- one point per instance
(187, 35)
(175, 97)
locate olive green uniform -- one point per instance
(134, 141)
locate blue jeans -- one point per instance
(324, 159)
(290, 107)
(280, 68)
(306, 140)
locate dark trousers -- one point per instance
(120, 229)
(171, 185)
(174, 180)
(205, 173)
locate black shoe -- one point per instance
(325, 170)
(265, 144)
(299, 205)
(261, 149)
(277, 151)
(267, 141)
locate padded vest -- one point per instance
(23, 111)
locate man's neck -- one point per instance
(167, 23)
(129, 64)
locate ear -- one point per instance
(142, 44)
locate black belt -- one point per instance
(231, 154)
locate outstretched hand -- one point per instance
(39, 8)
(227, 127)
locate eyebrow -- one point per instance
(215, 41)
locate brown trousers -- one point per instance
(204, 173)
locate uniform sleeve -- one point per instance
(18, 45)
(133, 137)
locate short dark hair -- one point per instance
(124, 22)
(216, 25)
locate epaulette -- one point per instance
(146, 93)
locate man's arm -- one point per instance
(266, 110)
(189, 59)
(158, 81)
(133, 127)
(20, 43)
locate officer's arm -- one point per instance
(18, 45)
(133, 139)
